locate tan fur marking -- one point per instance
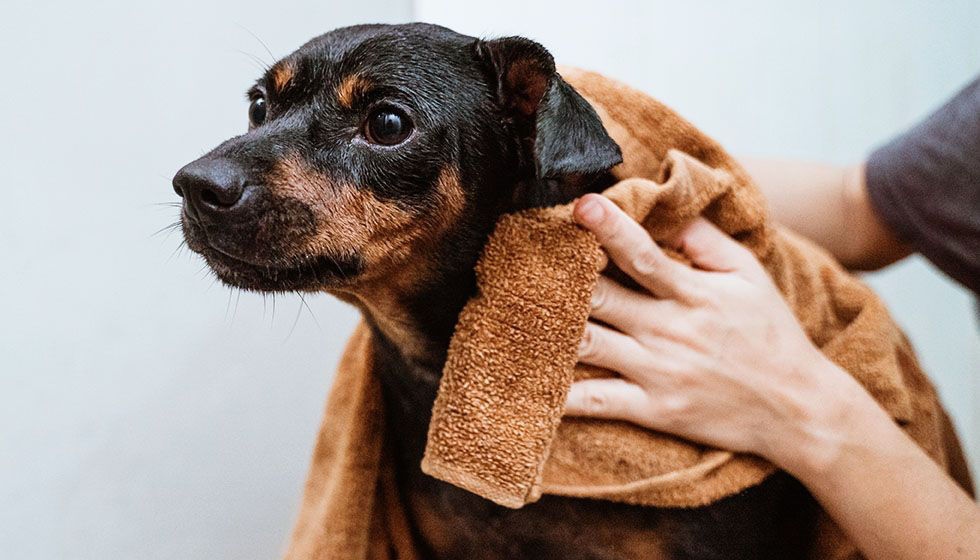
(282, 74)
(405, 269)
(350, 88)
(395, 244)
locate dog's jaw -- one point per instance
(417, 321)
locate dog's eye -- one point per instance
(387, 127)
(256, 111)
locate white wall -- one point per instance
(147, 414)
(138, 417)
(816, 80)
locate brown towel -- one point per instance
(497, 429)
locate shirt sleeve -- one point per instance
(925, 185)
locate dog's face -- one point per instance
(375, 149)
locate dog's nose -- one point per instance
(211, 185)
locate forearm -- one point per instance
(891, 499)
(828, 204)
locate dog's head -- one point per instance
(376, 147)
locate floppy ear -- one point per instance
(570, 146)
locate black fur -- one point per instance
(518, 136)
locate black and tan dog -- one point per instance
(376, 162)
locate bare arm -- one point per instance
(828, 204)
(772, 392)
(879, 486)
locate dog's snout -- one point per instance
(211, 185)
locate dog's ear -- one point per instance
(570, 146)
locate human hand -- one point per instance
(712, 353)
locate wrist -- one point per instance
(831, 419)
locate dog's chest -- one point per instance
(450, 523)
(454, 524)
(772, 521)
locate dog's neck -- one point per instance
(412, 306)
(418, 325)
(411, 332)
(414, 320)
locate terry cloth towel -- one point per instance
(497, 428)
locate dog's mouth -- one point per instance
(307, 273)
(298, 273)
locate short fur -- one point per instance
(396, 231)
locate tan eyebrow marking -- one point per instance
(282, 73)
(348, 90)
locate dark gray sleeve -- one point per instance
(925, 185)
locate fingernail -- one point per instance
(590, 211)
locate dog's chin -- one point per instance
(301, 274)
(267, 272)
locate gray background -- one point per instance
(146, 412)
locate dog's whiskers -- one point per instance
(238, 299)
(169, 228)
(302, 298)
(339, 268)
(214, 280)
(258, 61)
(299, 310)
(203, 271)
(228, 303)
(261, 42)
(180, 246)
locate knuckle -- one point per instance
(674, 406)
(600, 296)
(595, 402)
(694, 294)
(684, 380)
(683, 374)
(645, 262)
(587, 345)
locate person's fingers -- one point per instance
(614, 399)
(631, 248)
(621, 307)
(713, 250)
(606, 348)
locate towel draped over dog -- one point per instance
(497, 428)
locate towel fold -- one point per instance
(497, 428)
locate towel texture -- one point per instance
(497, 429)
